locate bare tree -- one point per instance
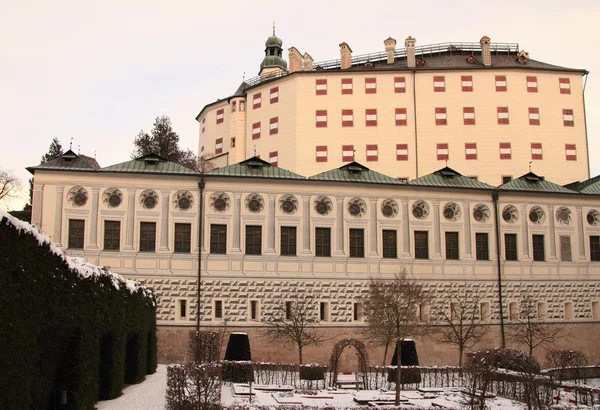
(464, 325)
(380, 336)
(10, 186)
(392, 304)
(529, 329)
(293, 322)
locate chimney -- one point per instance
(346, 55)
(390, 48)
(485, 51)
(308, 62)
(295, 59)
(410, 51)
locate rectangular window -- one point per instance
(253, 240)
(112, 235)
(76, 233)
(502, 115)
(565, 248)
(421, 245)
(466, 82)
(452, 245)
(147, 236)
(442, 152)
(372, 153)
(536, 150)
(273, 158)
(371, 117)
(510, 246)
(484, 311)
(370, 85)
(440, 116)
(569, 311)
(233, 106)
(274, 95)
(218, 146)
(565, 85)
(423, 312)
(534, 116)
(183, 238)
(401, 152)
(390, 243)
(595, 248)
(469, 115)
(568, 118)
(256, 130)
(482, 247)
(506, 179)
(357, 312)
(505, 150)
(542, 310)
(242, 106)
(501, 83)
(470, 150)
(182, 309)
(401, 116)
(321, 87)
(321, 118)
(513, 310)
(539, 254)
(347, 153)
(324, 311)
(321, 153)
(220, 116)
(288, 310)
(439, 84)
(218, 309)
(532, 84)
(218, 239)
(256, 101)
(347, 118)
(347, 86)
(323, 242)
(203, 125)
(288, 240)
(570, 152)
(254, 310)
(357, 243)
(399, 84)
(232, 142)
(595, 310)
(274, 126)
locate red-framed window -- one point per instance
(502, 115)
(466, 83)
(532, 84)
(536, 150)
(347, 86)
(399, 84)
(218, 146)
(273, 158)
(568, 120)
(347, 118)
(256, 130)
(203, 124)
(505, 150)
(220, 115)
(440, 116)
(401, 152)
(321, 153)
(401, 116)
(321, 87)
(256, 101)
(370, 85)
(321, 118)
(442, 152)
(347, 153)
(439, 83)
(470, 150)
(469, 115)
(274, 95)
(534, 116)
(371, 117)
(564, 85)
(501, 84)
(571, 152)
(372, 152)
(274, 126)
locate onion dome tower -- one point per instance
(273, 62)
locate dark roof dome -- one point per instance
(273, 41)
(273, 61)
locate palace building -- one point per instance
(353, 179)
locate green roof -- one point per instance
(449, 178)
(355, 172)
(150, 164)
(534, 183)
(590, 186)
(254, 168)
(68, 161)
(273, 41)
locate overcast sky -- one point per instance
(98, 72)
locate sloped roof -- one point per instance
(449, 178)
(355, 172)
(534, 183)
(254, 168)
(590, 186)
(68, 161)
(150, 164)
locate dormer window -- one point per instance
(255, 164)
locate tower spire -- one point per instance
(273, 27)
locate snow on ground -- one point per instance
(148, 395)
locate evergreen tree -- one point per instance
(54, 151)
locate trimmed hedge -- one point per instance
(63, 330)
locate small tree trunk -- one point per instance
(460, 356)
(398, 372)
(299, 354)
(385, 354)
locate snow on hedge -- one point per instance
(78, 265)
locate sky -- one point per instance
(99, 72)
